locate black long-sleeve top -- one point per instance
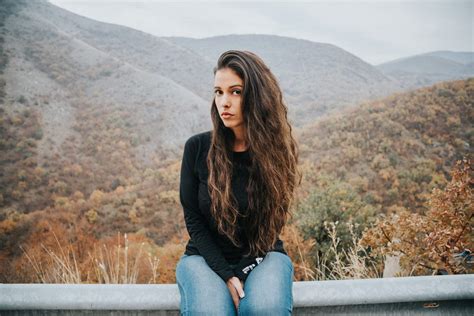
(217, 249)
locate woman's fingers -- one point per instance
(234, 294)
(238, 286)
(235, 286)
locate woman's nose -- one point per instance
(225, 101)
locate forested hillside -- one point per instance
(380, 157)
(385, 158)
(394, 151)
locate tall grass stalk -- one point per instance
(115, 269)
(62, 267)
(353, 263)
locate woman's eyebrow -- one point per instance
(235, 85)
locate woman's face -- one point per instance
(228, 87)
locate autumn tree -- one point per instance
(439, 241)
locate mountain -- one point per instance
(429, 68)
(88, 105)
(395, 150)
(63, 61)
(315, 77)
(70, 66)
(459, 57)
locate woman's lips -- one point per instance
(226, 115)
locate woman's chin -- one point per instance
(231, 124)
(227, 124)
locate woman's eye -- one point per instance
(219, 92)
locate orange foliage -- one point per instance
(298, 250)
(440, 240)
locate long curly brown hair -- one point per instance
(274, 172)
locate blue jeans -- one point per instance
(268, 288)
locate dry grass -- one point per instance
(299, 251)
(62, 267)
(352, 263)
(125, 262)
(119, 265)
(115, 264)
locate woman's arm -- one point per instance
(196, 223)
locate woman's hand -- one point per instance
(236, 288)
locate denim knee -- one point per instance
(269, 287)
(202, 291)
(255, 307)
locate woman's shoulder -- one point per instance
(200, 137)
(199, 142)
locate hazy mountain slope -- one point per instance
(75, 118)
(55, 56)
(429, 68)
(315, 77)
(459, 57)
(144, 51)
(425, 65)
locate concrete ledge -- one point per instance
(386, 290)
(308, 297)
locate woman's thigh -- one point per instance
(269, 287)
(202, 291)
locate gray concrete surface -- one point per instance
(437, 295)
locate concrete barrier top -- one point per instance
(166, 296)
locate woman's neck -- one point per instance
(239, 141)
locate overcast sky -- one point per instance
(376, 31)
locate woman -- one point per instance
(236, 186)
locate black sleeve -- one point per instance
(196, 223)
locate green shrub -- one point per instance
(332, 201)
